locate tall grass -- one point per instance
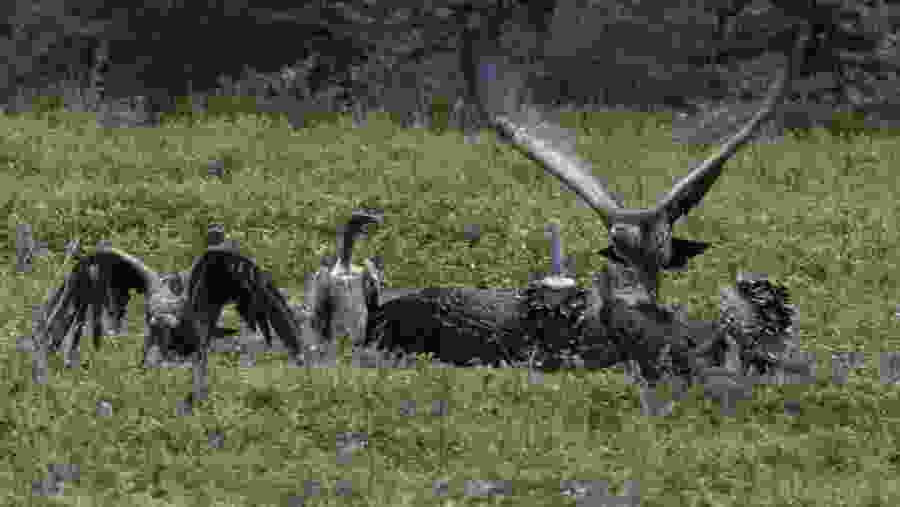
(818, 214)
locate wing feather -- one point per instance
(223, 276)
(456, 325)
(99, 284)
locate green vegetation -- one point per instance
(818, 214)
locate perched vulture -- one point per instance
(340, 295)
(560, 326)
(554, 324)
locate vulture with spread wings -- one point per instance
(552, 323)
(182, 308)
(638, 238)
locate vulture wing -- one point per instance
(223, 276)
(98, 285)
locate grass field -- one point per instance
(818, 214)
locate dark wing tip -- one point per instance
(683, 250)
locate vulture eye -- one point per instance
(173, 282)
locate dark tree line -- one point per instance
(661, 51)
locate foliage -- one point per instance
(366, 54)
(818, 215)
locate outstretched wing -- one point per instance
(542, 141)
(456, 325)
(98, 285)
(223, 276)
(691, 189)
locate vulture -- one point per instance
(641, 238)
(340, 295)
(552, 324)
(182, 308)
